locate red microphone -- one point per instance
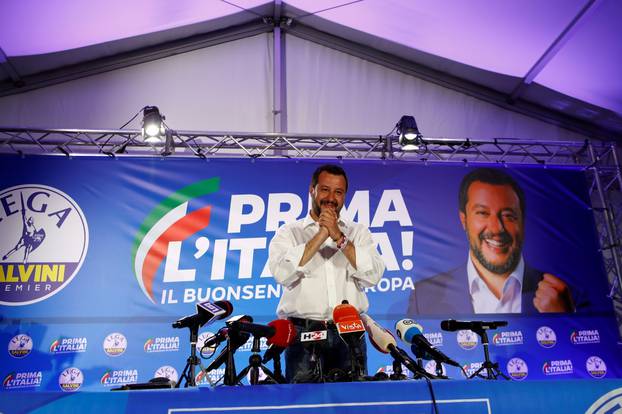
(351, 331)
(284, 335)
(348, 322)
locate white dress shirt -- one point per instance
(484, 301)
(313, 290)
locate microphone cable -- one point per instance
(432, 396)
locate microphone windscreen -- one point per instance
(448, 325)
(226, 305)
(345, 312)
(240, 318)
(284, 333)
(406, 329)
(379, 337)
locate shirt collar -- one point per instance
(476, 283)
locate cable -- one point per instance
(240, 7)
(432, 394)
(302, 16)
(122, 126)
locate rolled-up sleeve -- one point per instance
(369, 264)
(283, 258)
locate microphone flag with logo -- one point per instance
(348, 322)
(207, 312)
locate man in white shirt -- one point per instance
(497, 279)
(321, 260)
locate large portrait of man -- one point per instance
(495, 278)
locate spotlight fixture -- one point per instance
(409, 135)
(153, 130)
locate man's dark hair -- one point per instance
(331, 169)
(491, 176)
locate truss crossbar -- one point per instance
(78, 142)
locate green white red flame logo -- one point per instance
(168, 221)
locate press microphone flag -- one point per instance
(206, 313)
(410, 332)
(452, 325)
(348, 322)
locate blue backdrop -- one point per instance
(103, 254)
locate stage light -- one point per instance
(409, 135)
(153, 130)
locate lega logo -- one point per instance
(71, 379)
(467, 339)
(517, 368)
(44, 242)
(204, 336)
(546, 337)
(596, 367)
(20, 346)
(166, 371)
(431, 368)
(115, 344)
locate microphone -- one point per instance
(349, 324)
(236, 340)
(452, 325)
(216, 339)
(351, 330)
(254, 329)
(206, 313)
(409, 331)
(285, 334)
(382, 339)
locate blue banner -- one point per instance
(99, 257)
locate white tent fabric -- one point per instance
(224, 87)
(332, 92)
(474, 67)
(229, 87)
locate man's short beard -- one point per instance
(500, 269)
(317, 209)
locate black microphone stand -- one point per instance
(439, 370)
(357, 362)
(188, 373)
(278, 373)
(230, 373)
(254, 363)
(492, 368)
(398, 373)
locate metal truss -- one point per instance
(77, 142)
(598, 159)
(606, 197)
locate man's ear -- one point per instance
(463, 220)
(311, 190)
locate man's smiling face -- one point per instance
(494, 224)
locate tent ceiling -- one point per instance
(563, 55)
